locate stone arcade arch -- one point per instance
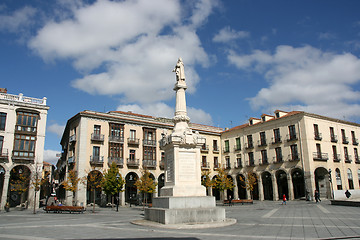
(297, 176)
(230, 192)
(241, 187)
(255, 193)
(215, 192)
(322, 183)
(161, 182)
(130, 188)
(267, 185)
(19, 179)
(2, 179)
(93, 175)
(281, 180)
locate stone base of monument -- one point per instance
(185, 212)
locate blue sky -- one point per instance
(242, 57)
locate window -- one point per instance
(1, 144)
(250, 141)
(294, 152)
(251, 159)
(344, 138)
(215, 145)
(2, 121)
(277, 137)
(216, 162)
(262, 139)
(238, 162)
(115, 150)
(227, 160)
(292, 132)
(318, 150)
(338, 179)
(356, 155)
(354, 139)
(350, 179)
(335, 154)
(97, 129)
(278, 154)
(332, 135)
(149, 153)
(264, 158)
(227, 147)
(96, 154)
(26, 122)
(316, 132)
(149, 136)
(238, 144)
(117, 131)
(132, 134)
(204, 161)
(346, 154)
(132, 155)
(359, 176)
(24, 146)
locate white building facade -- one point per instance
(22, 138)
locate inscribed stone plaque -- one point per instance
(187, 166)
(170, 167)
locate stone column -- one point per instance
(122, 198)
(248, 194)
(275, 188)
(261, 189)
(310, 184)
(290, 187)
(5, 190)
(236, 191)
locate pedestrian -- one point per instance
(317, 196)
(284, 199)
(230, 200)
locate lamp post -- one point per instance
(330, 180)
(118, 195)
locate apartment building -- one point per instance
(22, 137)
(293, 153)
(93, 140)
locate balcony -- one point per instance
(226, 150)
(317, 136)
(130, 162)
(118, 160)
(133, 141)
(278, 159)
(293, 157)
(149, 143)
(23, 157)
(116, 139)
(333, 138)
(97, 137)
(318, 156)
(262, 143)
(4, 155)
(162, 164)
(205, 166)
(71, 160)
(238, 165)
(263, 161)
(355, 141)
(237, 148)
(348, 159)
(72, 138)
(249, 146)
(149, 163)
(216, 149)
(345, 140)
(336, 157)
(204, 148)
(291, 137)
(276, 140)
(96, 160)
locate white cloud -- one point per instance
(50, 156)
(163, 110)
(56, 128)
(227, 35)
(128, 48)
(305, 78)
(18, 19)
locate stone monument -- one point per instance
(183, 199)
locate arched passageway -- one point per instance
(19, 185)
(130, 188)
(161, 182)
(216, 192)
(241, 187)
(322, 183)
(230, 192)
(281, 180)
(267, 186)
(297, 176)
(93, 187)
(2, 179)
(255, 192)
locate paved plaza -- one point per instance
(262, 220)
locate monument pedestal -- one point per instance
(185, 210)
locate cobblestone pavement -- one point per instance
(262, 220)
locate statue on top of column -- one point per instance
(179, 70)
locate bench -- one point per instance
(238, 201)
(60, 209)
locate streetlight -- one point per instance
(118, 197)
(331, 186)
